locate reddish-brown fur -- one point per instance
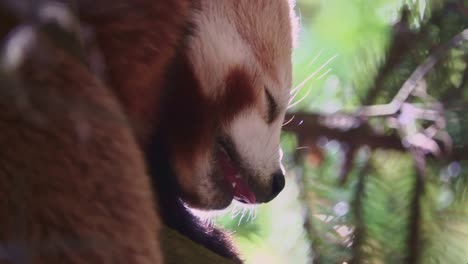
(186, 119)
(73, 184)
(239, 94)
(137, 39)
(266, 53)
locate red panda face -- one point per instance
(228, 147)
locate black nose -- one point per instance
(278, 183)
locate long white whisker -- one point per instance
(306, 80)
(314, 59)
(293, 93)
(242, 216)
(302, 99)
(249, 214)
(298, 88)
(324, 74)
(255, 212)
(235, 212)
(289, 121)
(300, 148)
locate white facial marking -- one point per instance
(257, 143)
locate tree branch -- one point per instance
(414, 241)
(403, 41)
(358, 211)
(313, 126)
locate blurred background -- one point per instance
(376, 146)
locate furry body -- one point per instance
(199, 89)
(73, 182)
(74, 186)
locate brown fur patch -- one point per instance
(73, 184)
(193, 120)
(189, 129)
(240, 94)
(137, 39)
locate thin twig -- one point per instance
(415, 240)
(358, 210)
(310, 232)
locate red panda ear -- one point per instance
(295, 22)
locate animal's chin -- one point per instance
(227, 181)
(230, 170)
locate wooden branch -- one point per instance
(354, 129)
(358, 214)
(179, 249)
(313, 126)
(415, 241)
(310, 127)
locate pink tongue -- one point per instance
(240, 189)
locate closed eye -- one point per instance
(272, 107)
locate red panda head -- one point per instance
(227, 121)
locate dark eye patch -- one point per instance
(272, 107)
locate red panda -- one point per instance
(210, 129)
(205, 85)
(227, 102)
(221, 113)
